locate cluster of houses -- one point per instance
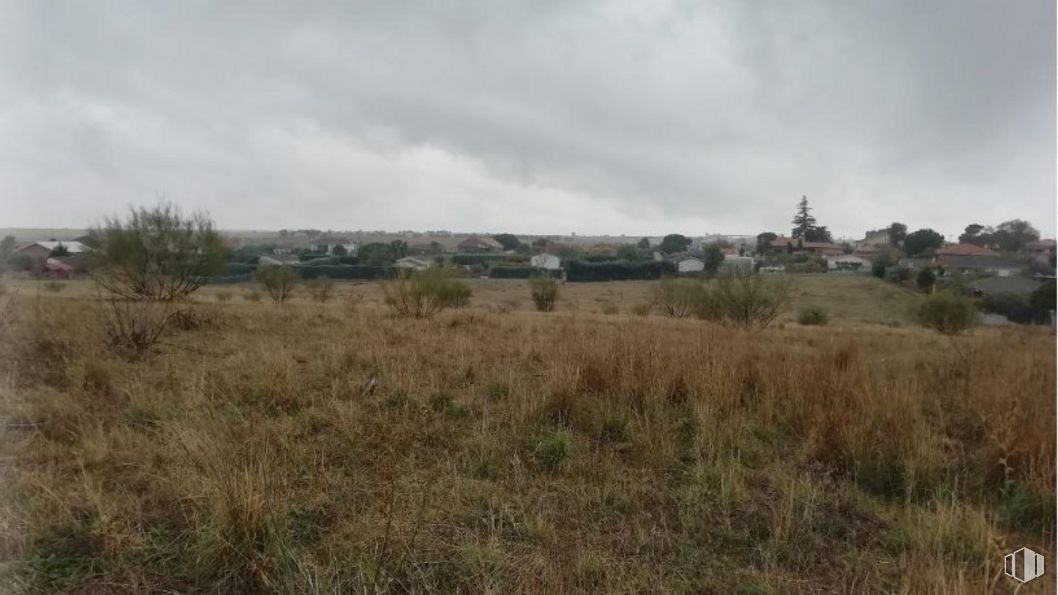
(54, 258)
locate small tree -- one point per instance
(278, 280)
(897, 233)
(803, 221)
(947, 313)
(713, 257)
(764, 241)
(339, 250)
(678, 298)
(1043, 300)
(156, 253)
(925, 279)
(508, 241)
(643, 244)
(544, 291)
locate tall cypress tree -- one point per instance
(803, 221)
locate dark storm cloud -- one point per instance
(536, 117)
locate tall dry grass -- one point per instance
(314, 449)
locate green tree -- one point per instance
(629, 252)
(643, 244)
(897, 233)
(156, 253)
(713, 257)
(921, 241)
(925, 279)
(818, 234)
(674, 243)
(339, 250)
(278, 280)
(508, 241)
(947, 313)
(976, 234)
(764, 241)
(803, 221)
(1013, 235)
(7, 247)
(399, 248)
(1043, 300)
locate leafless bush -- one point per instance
(678, 298)
(132, 327)
(279, 281)
(544, 292)
(749, 300)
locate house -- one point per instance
(729, 252)
(413, 262)
(546, 261)
(797, 245)
(688, 265)
(479, 244)
(914, 264)
(984, 263)
(848, 262)
(431, 249)
(869, 250)
(39, 252)
(603, 249)
(956, 250)
(1040, 251)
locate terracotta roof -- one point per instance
(965, 250)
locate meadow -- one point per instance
(334, 448)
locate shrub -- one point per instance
(1013, 306)
(424, 293)
(749, 300)
(813, 316)
(223, 296)
(518, 272)
(878, 269)
(156, 253)
(278, 281)
(321, 289)
(678, 298)
(344, 271)
(544, 292)
(54, 286)
(552, 450)
(925, 279)
(252, 296)
(132, 327)
(947, 313)
(1043, 300)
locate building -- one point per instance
(479, 244)
(549, 262)
(1040, 251)
(58, 268)
(1023, 286)
(277, 260)
(413, 262)
(848, 262)
(994, 265)
(952, 250)
(39, 252)
(797, 245)
(689, 265)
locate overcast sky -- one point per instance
(531, 117)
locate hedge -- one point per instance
(520, 272)
(346, 271)
(225, 279)
(470, 259)
(238, 268)
(619, 270)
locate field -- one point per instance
(331, 447)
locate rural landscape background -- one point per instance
(592, 296)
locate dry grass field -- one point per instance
(332, 448)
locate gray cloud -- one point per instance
(532, 117)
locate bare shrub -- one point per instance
(813, 316)
(7, 313)
(678, 298)
(749, 300)
(544, 292)
(54, 286)
(156, 253)
(424, 293)
(947, 313)
(321, 289)
(278, 281)
(132, 327)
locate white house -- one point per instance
(848, 262)
(546, 261)
(689, 264)
(413, 263)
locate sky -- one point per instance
(532, 117)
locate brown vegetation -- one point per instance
(319, 448)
